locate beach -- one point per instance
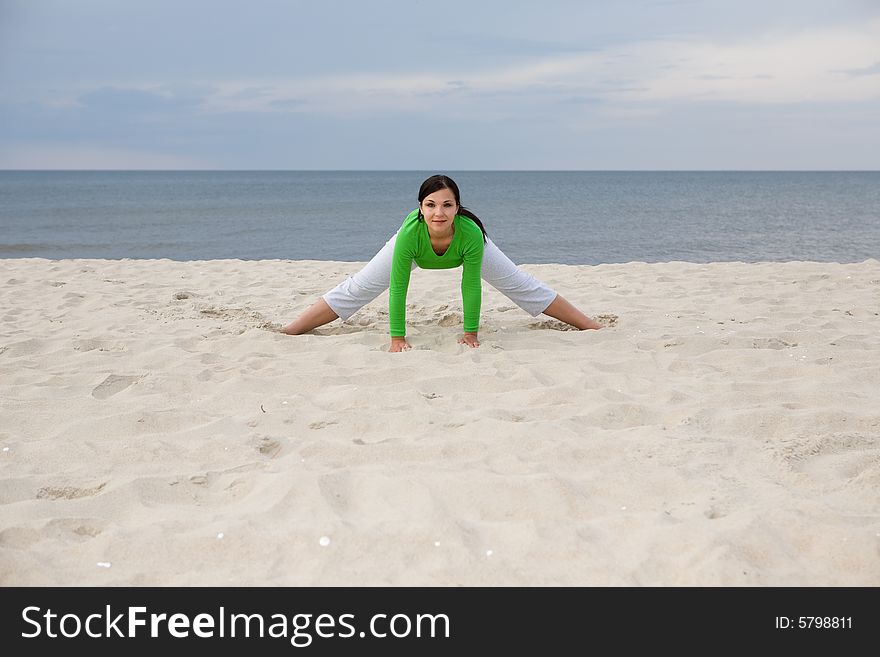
(156, 429)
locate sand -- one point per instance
(156, 429)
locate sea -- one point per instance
(567, 217)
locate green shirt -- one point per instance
(414, 243)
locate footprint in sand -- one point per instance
(556, 325)
(100, 345)
(267, 446)
(73, 529)
(244, 316)
(837, 459)
(66, 530)
(323, 424)
(336, 490)
(715, 511)
(771, 343)
(112, 385)
(68, 492)
(553, 325)
(450, 319)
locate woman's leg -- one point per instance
(564, 311)
(350, 295)
(318, 314)
(528, 292)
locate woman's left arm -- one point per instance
(471, 292)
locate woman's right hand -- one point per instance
(399, 344)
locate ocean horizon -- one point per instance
(541, 216)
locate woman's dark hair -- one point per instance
(436, 183)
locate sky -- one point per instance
(441, 86)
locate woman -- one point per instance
(440, 234)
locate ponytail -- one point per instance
(464, 212)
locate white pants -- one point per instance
(498, 270)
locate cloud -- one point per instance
(772, 69)
(136, 101)
(775, 68)
(500, 100)
(836, 64)
(868, 70)
(93, 156)
(163, 99)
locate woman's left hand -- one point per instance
(470, 339)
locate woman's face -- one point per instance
(439, 209)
